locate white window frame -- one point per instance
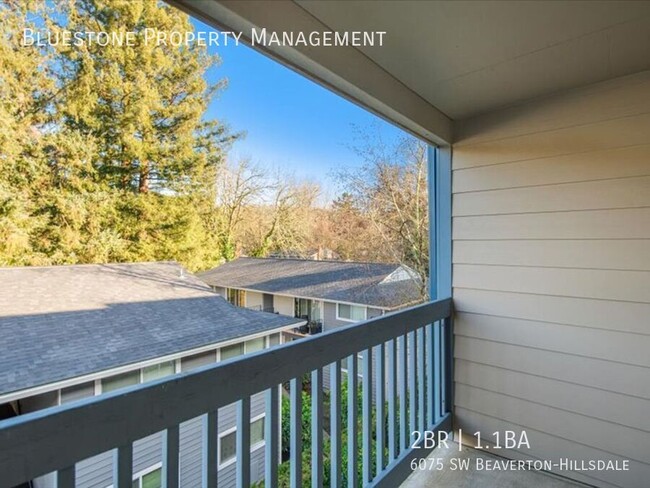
(343, 319)
(241, 293)
(253, 447)
(59, 393)
(242, 344)
(144, 472)
(265, 344)
(268, 340)
(101, 386)
(176, 365)
(142, 380)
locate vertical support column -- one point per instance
(243, 438)
(439, 182)
(170, 457)
(210, 454)
(440, 279)
(271, 436)
(123, 466)
(65, 478)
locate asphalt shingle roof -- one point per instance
(351, 282)
(60, 322)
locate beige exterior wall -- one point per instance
(283, 305)
(254, 299)
(551, 281)
(221, 291)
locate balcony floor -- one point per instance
(471, 478)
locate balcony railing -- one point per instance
(260, 308)
(405, 386)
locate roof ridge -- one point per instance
(81, 265)
(338, 261)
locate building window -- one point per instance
(152, 479)
(227, 447)
(352, 313)
(302, 308)
(257, 432)
(76, 392)
(274, 340)
(158, 371)
(237, 297)
(233, 351)
(255, 344)
(198, 360)
(228, 442)
(120, 381)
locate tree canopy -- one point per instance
(107, 154)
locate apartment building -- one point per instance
(75, 332)
(327, 294)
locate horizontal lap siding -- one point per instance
(329, 317)
(591, 195)
(582, 341)
(551, 258)
(623, 254)
(630, 162)
(595, 373)
(580, 283)
(551, 447)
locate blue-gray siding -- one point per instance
(96, 472)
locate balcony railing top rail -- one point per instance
(54, 439)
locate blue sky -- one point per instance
(290, 121)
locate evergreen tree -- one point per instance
(25, 90)
(122, 165)
(142, 104)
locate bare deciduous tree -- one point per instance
(390, 191)
(258, 211)
(239, 185)
(288, 222)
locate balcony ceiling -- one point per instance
(471, 57)
(443, 61)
